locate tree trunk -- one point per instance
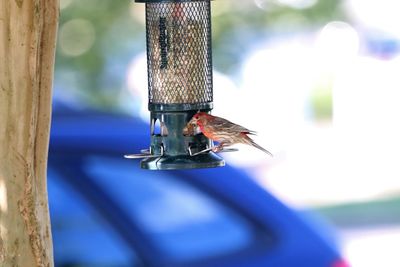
(27, 44)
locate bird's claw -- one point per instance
(217, 149)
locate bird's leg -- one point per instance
(216, 149)
(219, 147)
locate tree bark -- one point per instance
(27, 46)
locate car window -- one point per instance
(81, 237)
(183, 221)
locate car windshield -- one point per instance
(81, 236)
(183, 221)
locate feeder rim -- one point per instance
(179, 107)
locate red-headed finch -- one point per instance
(224, 132)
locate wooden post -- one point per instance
(27, 44)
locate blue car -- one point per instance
(106, 211)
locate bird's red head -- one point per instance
(196, 116)
(200, 118)
(201, 115)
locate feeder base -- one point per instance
(207, 160)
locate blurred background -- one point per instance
(317, 79)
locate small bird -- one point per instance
(224, 132)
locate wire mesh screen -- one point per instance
(179, 52)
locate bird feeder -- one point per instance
(180, 83)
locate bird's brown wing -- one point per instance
(230, 126)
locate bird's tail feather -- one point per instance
(259, 147)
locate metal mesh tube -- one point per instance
(179, 52)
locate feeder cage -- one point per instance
(179, 66)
